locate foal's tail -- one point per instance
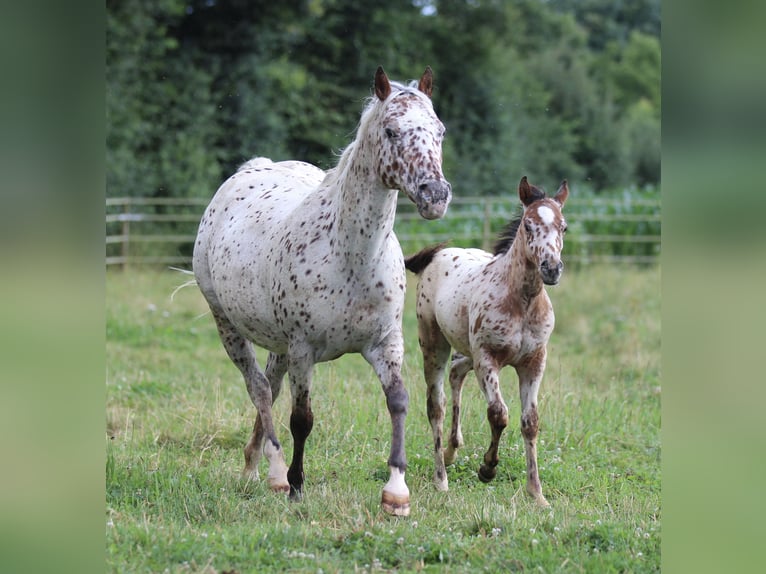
(420, 260)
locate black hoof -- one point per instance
(296, 495)
(487, 473)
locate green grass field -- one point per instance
(178, 416)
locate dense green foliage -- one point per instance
(548, 89)
(178, 416)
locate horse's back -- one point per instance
(445, 289)
(245, 211)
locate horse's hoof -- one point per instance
(296, 495)
(250, 475)
(441, 485)
(539, 498)
(487, 473)
(395, 505)
(278, 486)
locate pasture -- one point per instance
(178, 416)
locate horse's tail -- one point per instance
(420, 260)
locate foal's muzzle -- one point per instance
(432, 198)
(551, 273)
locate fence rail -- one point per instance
(156, 231)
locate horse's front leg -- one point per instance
(386, 358)
(487, 372)
(300, 367)
(530, 377)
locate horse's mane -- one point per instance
(507, 235)
(372, 106)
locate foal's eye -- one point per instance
(527, 227)
(564, 228)
(391, 134)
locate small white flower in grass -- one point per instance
(639, 554)
(204, 535)
(598, 521)
(535, 542)
(579, 467)
(532, 530)
(109, 523)
(414, 523)
(496, 531)
(400, 540)
(421, 549)
(596, 551)
(646, 535)
(556, 529)
(367, 534)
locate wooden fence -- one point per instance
(161, 231)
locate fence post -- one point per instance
(125, 233)
(487, 227)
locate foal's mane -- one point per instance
(372, 106)
(508, 234)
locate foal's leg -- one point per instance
(435, 350)
(300, 368)
(386, 358)
(240, 351)
(530, 377)
(276, 366)
(461, 366)
(487, 373)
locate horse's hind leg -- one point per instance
(435, 350)
(240, 351)
(276, 366)
(530, 377)
(461, 366)
(497, 413)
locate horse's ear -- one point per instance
(562, 193)
(527, 193)
(426, 83)
(382, 85)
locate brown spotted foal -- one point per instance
(306, 265)
(493, 311)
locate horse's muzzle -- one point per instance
(551, 274)
(433, 198)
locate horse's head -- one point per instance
(409, 142)
(542, 229)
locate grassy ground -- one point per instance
(178, 416)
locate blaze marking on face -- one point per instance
(546, 214)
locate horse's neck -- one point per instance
(365, 214)
(522, 277)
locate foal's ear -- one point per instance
(562, 193)
(528, 193)
(426, 83)
(382, 85)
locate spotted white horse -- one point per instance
(306, 265)
(493, 311)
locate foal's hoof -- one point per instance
(395, 505)
(487, 473)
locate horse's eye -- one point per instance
(528, 227)
(391, 134)
(564, 229)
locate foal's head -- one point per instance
(542, 229)
(408, 139)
